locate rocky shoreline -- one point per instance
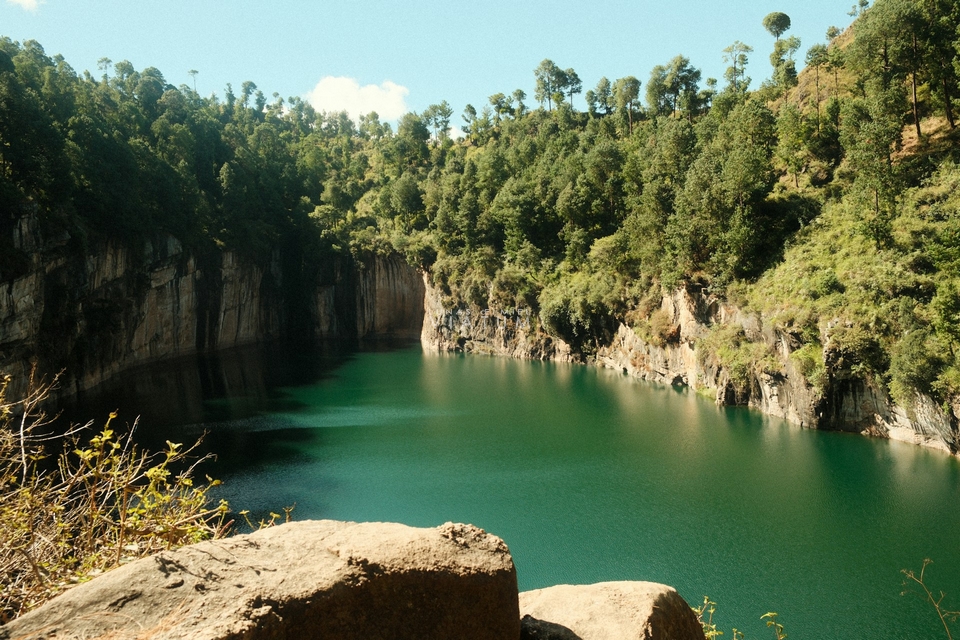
(845, 402)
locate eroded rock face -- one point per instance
(608, 611)
(485, 331)
(313, 579)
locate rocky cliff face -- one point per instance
(100, 310)
(681, 354)
(390, 299)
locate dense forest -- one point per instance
(825, 198)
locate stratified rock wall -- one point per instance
(450, 327)
(389, 298)
(96, 311)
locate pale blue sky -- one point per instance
(458, 51)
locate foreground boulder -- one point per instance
(608, 611)
(312, 579)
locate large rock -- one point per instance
(312, 579)
(608, 611)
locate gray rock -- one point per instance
(312, 579)
(608, 611)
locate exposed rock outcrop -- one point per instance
(390, 299)
(313, 579)
(451, 327)
(608, 611)
(100, 310)
(679, 355)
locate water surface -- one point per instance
(590, 475)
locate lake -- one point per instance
(587, 474)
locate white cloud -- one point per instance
(345, 94)
(29, 5)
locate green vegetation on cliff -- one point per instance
(824, 199)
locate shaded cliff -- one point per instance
(697, 340)
(97, 310)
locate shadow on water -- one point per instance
(220, 397)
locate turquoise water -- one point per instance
(589, 475)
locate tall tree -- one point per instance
(817, 56)
(791, 140)
(550, 81)
(870, 132)
(604, 94)
(469, 117)
(519, 96)
(784, 67)
(502, 105)
(888, 47)
(684, 82)
(736, 55)
(836, 60)
(573, 84)
(658, 92)
(941, 25)
(104, 65)
(777, 23)
(625, 92)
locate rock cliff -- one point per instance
(101, 309)
(680, 351)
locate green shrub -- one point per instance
(727, 346)
(915, 365)
(76, 505)
(582, 309)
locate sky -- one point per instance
(395, 57)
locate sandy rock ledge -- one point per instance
(311, 579)
(350, 581)
(607, 611)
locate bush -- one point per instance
(914, 367)
(75, 505)
(582, 309)
(808, 360)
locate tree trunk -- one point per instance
(817, 68)
(913, 86)
(916, 110)
(948, 103)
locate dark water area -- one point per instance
(587, 474)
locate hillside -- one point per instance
(810, 202)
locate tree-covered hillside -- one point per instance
(823, 198)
